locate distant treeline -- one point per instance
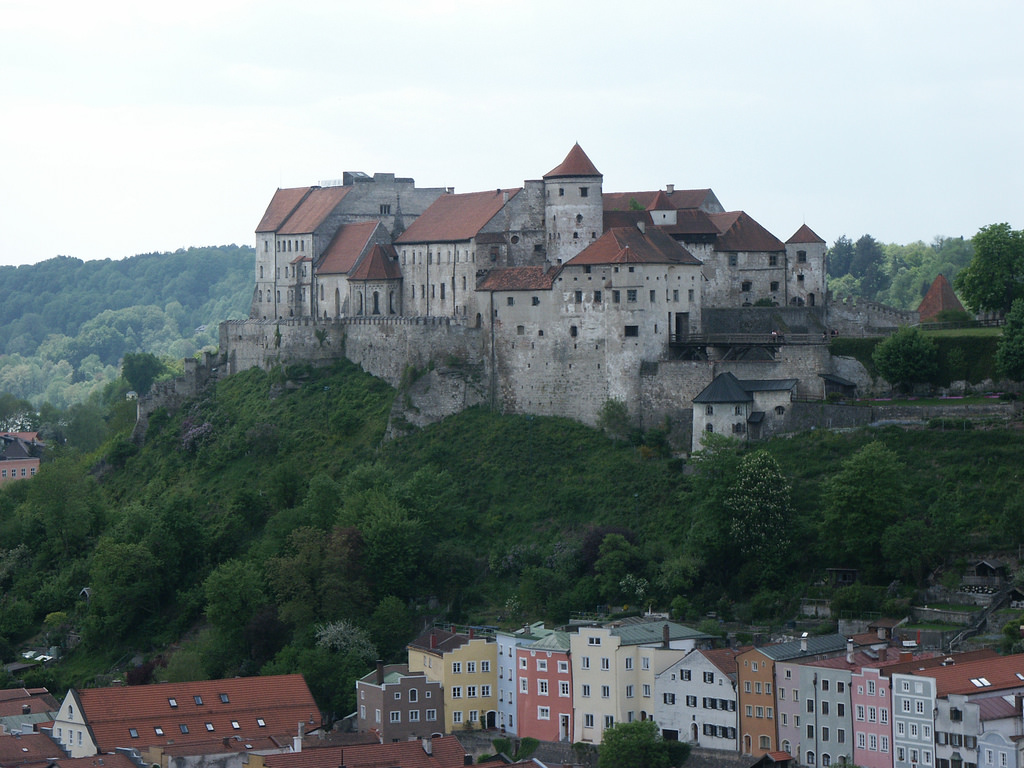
(66, 323)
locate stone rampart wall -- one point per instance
(765, 320)
(853, 316)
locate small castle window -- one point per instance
(520, 330)
(632, 331)
(774, 285)
(575, 235)
(739, 410)
(597, 297)
(573, 331)
(511, 300)
(799, 278)
(535, 300)
(709, 427)
(616, 295)
(584, 191)
(652, 296)
(773, 260)
(779, 410)
(578, 296)
(746, 286)
(631, 294)
(709, 410)
(385, 209)
(579, 217)
(732, 260)
(801, 256)
(561, 191)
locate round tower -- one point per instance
(573, 206)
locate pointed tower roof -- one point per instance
(576, 163)
(804, 235)
(940, 297)
(660, 203)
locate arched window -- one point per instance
(825, 759)
(764, 742)
(739, 410)
(779, 410)
(376, 303)
(709, 427)
(810, 758)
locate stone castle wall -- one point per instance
(853, 316)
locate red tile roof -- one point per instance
(453, 218)
(630, 245)
(725, 658)
(446, 752)
(576, 163)
(27, 748)
(381, 263)
(739, 232)
(804, 235)
(280, 701)
(281, 206)
(940, 297)
(518, 279)
(678, 199)
(982, 676)
(312, 211)
(344, 250)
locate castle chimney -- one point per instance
(380, 672)
(670, 188)
(664, 636)
(428, 745)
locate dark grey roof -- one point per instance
(756, 417)
(726, 388)
(837, 380)
(794, 649)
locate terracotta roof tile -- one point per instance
(281, 206)
(446, 751)
(344, 250)
(724, 658)
(739, 232)
(26, 748)
(576, 163)
(804, 235)
(518, 279)
(678, 199)
(314, 208)
(381, 263)
(982, 676)
(630, 245)
(660, 203)
(940, 297)
(280, 701)
(454, 218)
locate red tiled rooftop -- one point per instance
(281, 701)
(26, 748)
(344, 250)
(630, 245)
(281, 206)
(380, 263)
(739, 232)
(576, 163)
(518, 279)
(455, 218)
(678, 199)
(312, 211)
(940, 297)
(446, 751)
(804, 235)
(977, 677)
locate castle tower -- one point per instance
(573, 206)
(806, 272)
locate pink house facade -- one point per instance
(871, 701)
(544, 689)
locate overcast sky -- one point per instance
(131, 127)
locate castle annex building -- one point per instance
(562, 295)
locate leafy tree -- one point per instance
(613, 418)
(1010, 352)
(840, 257)
(995, 276)
(390, 627)
(16, 414)
(639, 745)
(906, 358)
(140, 370)
(125, 584)
(761, 509)
(868, 266)
(618, 560)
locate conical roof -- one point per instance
(940, 297)
(576, 163)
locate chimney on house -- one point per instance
(906, 656)
(428, 745)
(470, 633)
(670, 188)
(26, 709)
(849, 650)
(803, 642)
(883, 652)
(380, 672)
(881, 633)
(664, 636)
(467, 759)
(433, 639)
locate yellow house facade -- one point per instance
(466, 667)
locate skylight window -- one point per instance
(198, 700)
(184, 728)
(173, 703)
(133, 733)
(235, 725)
(224, 698)
(209, 726)
(159, 731)
(261, 722)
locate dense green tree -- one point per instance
(907, 357)
(840, 256)
(618, 559)
(16, 414)
(639, 745)
(866, 496)
(125, 586)
(1010, 352)
(390, 628)
(761, 511)
(140, 370)
(995, 276)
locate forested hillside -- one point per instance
(66, 323)
(893, 274)
(267, 527)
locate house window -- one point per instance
(224, 698)
(396, 716)
(511, 300)
(629, 691)
(431, 715)
(158, 731)
(209, 726)
(588, 721)
(647, 691)
(801, 256)
(773, 260)
(542, 687)
(585, 662)
(563, 688)
(471, 691)
(183, 727)
(543, 713)
(684, 674)
(135, 734)
(629, 663)
(632, 331)
(605, 664)
(235, 725)
(774, 286)
(485, 666)
(764, 742)
(606, 691)
(615, 297)
(631, 294)
(586, 691)
(456, 691)
(597, 297)
(172, 702)
(414, 716)
(456, 717)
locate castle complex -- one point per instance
(550, 298)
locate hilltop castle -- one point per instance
(552, 298)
